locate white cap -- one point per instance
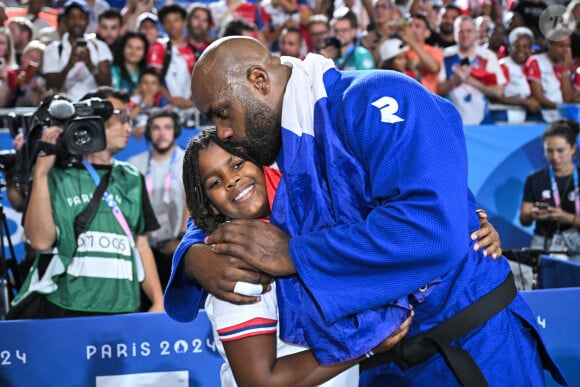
(391, 48)
(146, 16)
(519, 31)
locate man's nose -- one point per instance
(224, 132)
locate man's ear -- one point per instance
(259, 79)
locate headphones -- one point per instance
(163, 113)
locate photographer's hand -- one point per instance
(45, 162)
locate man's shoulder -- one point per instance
(98, 42)
(126, 168)
(53, 45)
(179, 152)
(56, 46)
(435, 51)
(159, 44)
(138, 156)
(451, 51)
(362, 59)
(372, 85)
(361, 51)
(540, 56)
(139, 160)
(485, 53)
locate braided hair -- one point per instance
(198, 204)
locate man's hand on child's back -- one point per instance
(258, 243)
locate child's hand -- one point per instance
(396, 336)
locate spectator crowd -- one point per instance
(476, 54)
(141, 54)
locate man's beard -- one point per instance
(446, 28)
(198, 35)
(263, 133)
(163, 150)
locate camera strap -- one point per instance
(110, 200)
(85, 217)
(46, 149)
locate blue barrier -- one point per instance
(557, 273)
(111, 350)
(151, 349)
(558, 315)
(500, 158)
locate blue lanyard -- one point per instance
(556, 192)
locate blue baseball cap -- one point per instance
(80, 4)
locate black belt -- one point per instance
(417, 349)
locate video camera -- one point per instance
(83, 125)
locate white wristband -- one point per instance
(369, 354)
(248, 289)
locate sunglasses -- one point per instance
(122, 115)
(383, 5)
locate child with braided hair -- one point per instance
(221, 184)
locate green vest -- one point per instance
(99, 274)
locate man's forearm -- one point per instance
(39, 225)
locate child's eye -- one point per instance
(214, 183)
(238, 165)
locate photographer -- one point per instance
(76, 64)
(99, 272)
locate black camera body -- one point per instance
(82, 123)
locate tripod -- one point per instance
(8, 267)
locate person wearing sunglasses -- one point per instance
(100, 267)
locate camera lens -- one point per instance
(81, 137)
(84, 135)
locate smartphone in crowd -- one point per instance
(541, 205)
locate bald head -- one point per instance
(227, 66)
(236, 47)
(231, 54)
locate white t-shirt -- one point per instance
(79, 80)
(541, 69)
(164, 183)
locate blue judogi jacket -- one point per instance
(377, 204)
